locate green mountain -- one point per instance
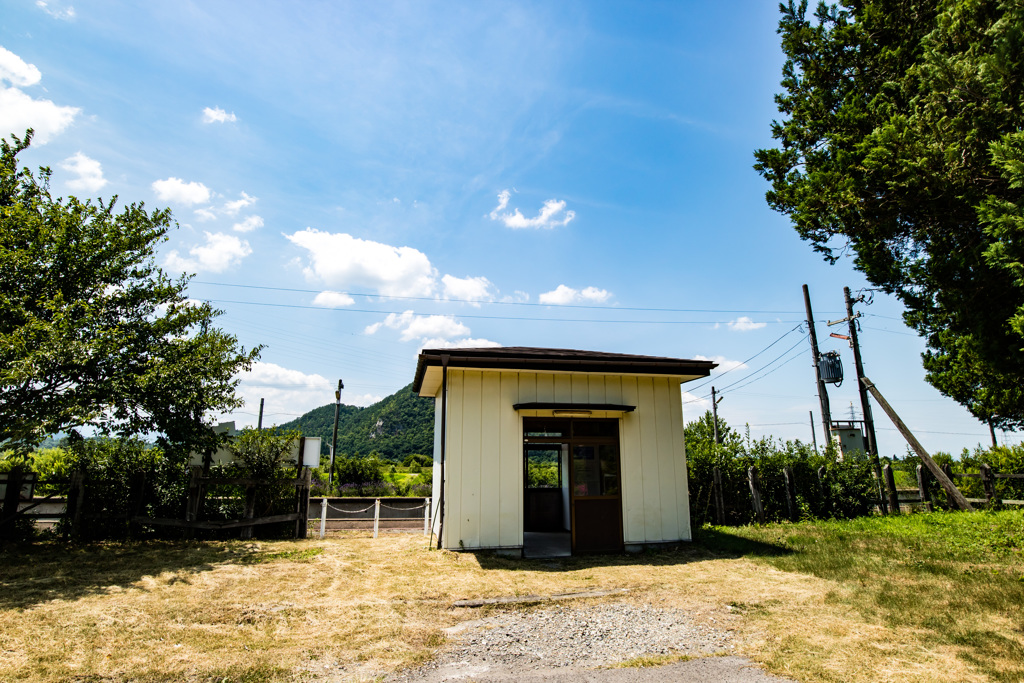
(400, 424)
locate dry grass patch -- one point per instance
(353, 606)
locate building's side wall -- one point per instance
(484, 456)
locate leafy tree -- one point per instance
(92, 332)
(263, 451)
(359, 472)
(901, 143)
(418, 460)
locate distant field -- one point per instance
(918, 598)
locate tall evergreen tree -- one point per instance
(901, 144)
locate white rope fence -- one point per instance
(377, 505)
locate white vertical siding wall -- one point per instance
(484, 454)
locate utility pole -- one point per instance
(259, 424)
(334, 438)
(826, 413)
(714, 411)
(814, 437)
(865, 405)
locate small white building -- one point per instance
(555, 451)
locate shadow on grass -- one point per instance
(710, 544)
(34, 574)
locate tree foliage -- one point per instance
(263, 452)
(92, 332)
(901, 142)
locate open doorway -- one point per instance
(572, 495)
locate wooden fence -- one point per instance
(19, 502)
(200, 485)
(893, 502)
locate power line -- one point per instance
(495, 317)
(499, 303)
(754, 375)
(743, 363)
(768, 364)
(757, 379)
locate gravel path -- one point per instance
(566, 643)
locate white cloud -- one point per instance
(551, 215)
(16, 70)
(57, 13)
(346, 262)
(503, 198)
(333, 299)
(744, 324)
(232, 208)
(361, 400)
(724, 364)
(414, 326)
(517, 297)
(177, 190)
(474, 289)
(19, 112)
(89, 171)
(562, 295)
(695, 405)
(205, 214)
(218, 115)
(248, 225)
(287, 393)
(594, 294)
(220, 252)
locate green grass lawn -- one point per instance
(955, 579)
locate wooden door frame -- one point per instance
(572, 441)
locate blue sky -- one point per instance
(353, 181)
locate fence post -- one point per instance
(136, 498)
(947, 469)
(922, 487)
(376, 517)
(192, 506)
(883, 508)
(890, 485)
(73, 508)
(426, 515)
(989, 483)
(302, 491)
(755, 493)
(719, 497)
(323, 516)
(794, 511)
(12, 496)
(823, 491)
(250, 511)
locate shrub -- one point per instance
(846, 490)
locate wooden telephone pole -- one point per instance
(826, 413)
(334, 436)
(714, 412)
(865, 405)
